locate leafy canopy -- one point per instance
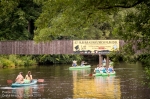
(78, 19)
(15, 18)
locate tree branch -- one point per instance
(122, 6)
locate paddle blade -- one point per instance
(91, 74)
(9, 81)
(40, 80)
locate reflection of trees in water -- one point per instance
(147, 72)
(108, 85)
(81, 72)
(27, 92)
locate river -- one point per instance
(62, 83)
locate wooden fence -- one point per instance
(31, 47)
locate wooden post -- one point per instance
(107, 61)
(100, 60)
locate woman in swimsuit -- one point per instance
(28, 77)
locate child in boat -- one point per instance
(28, 78)
(20, 78)
(74, 63)
(110, 69)
(97, 69)
(104, 70)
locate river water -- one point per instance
(62, 83)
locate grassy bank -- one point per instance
(16, 60)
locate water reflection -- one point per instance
(95, 87)
(31, 92)
(107, 86)
(62, 83)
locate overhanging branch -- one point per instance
(122, 6)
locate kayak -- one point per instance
(24, 84)
(80, 67)
(108, 74)
(104, 74)
(98, 74)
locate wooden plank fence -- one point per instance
(32, 48)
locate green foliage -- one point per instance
(133, 28)
(16, 60)
(6, 63)
(144, 59)
(1, 64)
(75, 19)
(115, 57)
(28, 61)
(16, 19)
(147, 72)
(63, 59)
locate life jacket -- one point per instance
(110, 69)
(97, 70)
(104, 70)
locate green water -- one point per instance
(62, 83)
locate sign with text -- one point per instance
(95, 46)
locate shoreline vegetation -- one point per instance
(14, 61)
(7, 61)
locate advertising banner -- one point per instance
(95, 46)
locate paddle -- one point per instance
(41, 80)
(9, 81)
(91, 74)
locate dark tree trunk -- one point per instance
(31, 29)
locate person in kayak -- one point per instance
(28, 77)
(97, 69)
(83, 63)
(20, 78)
(104, 61)
(104, 70)
(110, 69)
(74, 63)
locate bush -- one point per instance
(7, 63)
(16, 60)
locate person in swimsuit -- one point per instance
(28, 77)
(20, 78)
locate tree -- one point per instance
(75, 19)
(91, 19)
(134, 29)
(17, 19)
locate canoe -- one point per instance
(98, 74)
(24, 84)
(108, 74)
(104, 74)
(80, 67)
